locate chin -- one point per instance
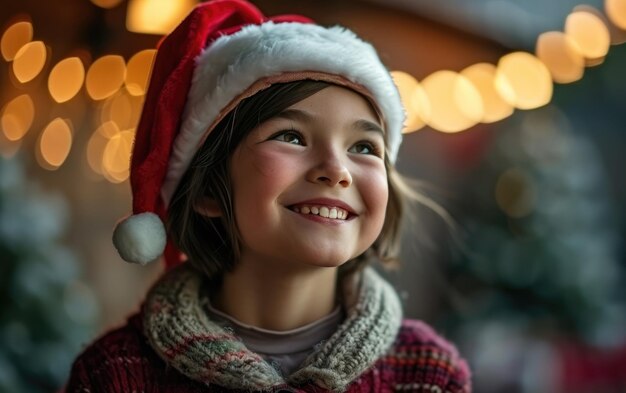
(327, 260)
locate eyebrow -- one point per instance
(302, 116)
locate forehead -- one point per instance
(336, 103)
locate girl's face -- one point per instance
(310, 185)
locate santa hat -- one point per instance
(223, 52)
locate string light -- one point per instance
(16, 36)
(482, 75)
(97, 143)
(523, 80)
(616, 11)
(116, 157)
(589, 33)
(66, 79)
(156, 16)
(415, 101)
(138, 71)
(561, 55)
(105, 76)
(29, 61)
(55, 143)
(17, 117)
(455, 102)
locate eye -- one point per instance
(365, 148)
(290, 136)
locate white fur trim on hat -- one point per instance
(233, 63)
(140, 238)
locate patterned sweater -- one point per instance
(172, 346)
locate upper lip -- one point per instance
(327, 202)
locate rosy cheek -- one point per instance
(376, 192)
(269, 164)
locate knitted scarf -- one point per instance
(181, 333)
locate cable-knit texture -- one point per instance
(370, 328)
(179, 330)
(173, 347)
(181, 333)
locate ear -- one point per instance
(208, 207)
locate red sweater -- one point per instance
(123, 361)
(172, 346)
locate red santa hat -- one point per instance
(223, 52)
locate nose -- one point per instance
(330, 170)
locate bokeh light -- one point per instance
(482, 76)
(523, 81)
(515, 193)
(589, 32)
(29, 61)
(66, 79)
(15, 37)
(17, 117)
(123, 109)
(414, 100)
(105, 76)
(561, 55)
(106, 3)
(138, 71)
(98, 142)
(455, 102)
(616, 11)
(55, 143)
(116, 157)
(156, 16)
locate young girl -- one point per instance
(267, 146)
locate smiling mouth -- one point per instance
(331, 212)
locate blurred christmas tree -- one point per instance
(46, 314)
(541, 263)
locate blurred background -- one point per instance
(515, 127)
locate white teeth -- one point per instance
(322, 211)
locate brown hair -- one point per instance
(212, 244)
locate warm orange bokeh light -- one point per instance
(123, 109)
(66, 79)
(482, 75)
(561, 55)
(456, 104)
(116, 158)
(55, 143)
(138, 71)
(15, 37)
(523, 81)
(414, 100)
(105, 76)
(17, 117)
(589, 33)
(616, 11)
(29, 61)
(156, 16)
(97, 143)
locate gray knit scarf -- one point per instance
(182, 334)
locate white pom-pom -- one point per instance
(140, 238)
